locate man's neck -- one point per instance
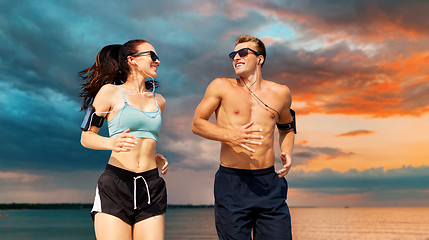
(252, 81)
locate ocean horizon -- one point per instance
(197, 222)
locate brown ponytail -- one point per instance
(110, 67)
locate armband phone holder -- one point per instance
(91, 119)
(290, 125)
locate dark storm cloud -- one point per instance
(366, 19)
(354, 181)
(302, 155)
(41, 133)
(37, 51)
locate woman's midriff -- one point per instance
(141, 158)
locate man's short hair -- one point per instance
(260, 45)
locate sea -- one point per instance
(401, 223)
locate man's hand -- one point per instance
(161, 163)
(287, 164)
(241, 137)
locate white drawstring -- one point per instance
(135, 193)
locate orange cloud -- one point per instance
(413, 66)
(352, 83)
(355, 133)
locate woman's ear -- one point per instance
(131, 61)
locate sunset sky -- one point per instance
(358, 72)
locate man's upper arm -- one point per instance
(210, 102)
(285, 115)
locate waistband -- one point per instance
(128, 175)
(238, 171)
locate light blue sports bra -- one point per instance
(142, 124)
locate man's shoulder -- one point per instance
(277, 87)
(222, 82)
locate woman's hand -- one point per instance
(124, 142)
(161, 163)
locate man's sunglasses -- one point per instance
(152, 55)
(242, 53)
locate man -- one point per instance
(249, 194)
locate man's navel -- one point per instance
(236, 111)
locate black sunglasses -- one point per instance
(152, 55)
(242, 53)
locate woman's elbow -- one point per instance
(83, 141)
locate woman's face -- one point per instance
(144, 60)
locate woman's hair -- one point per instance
(261, 46)
(110, 67)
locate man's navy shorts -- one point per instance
(251, 199)
(130, 196)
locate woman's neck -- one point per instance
(136, 84)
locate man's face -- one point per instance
(246, 64)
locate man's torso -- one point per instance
(237, 107)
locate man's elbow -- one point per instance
(197, 126)
(194, 128)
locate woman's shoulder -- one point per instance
(108, 88)
(106, 92)
(160, 98)
(161, 101)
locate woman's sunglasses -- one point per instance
(242, 53)
(152, 55)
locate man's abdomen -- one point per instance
(238, 157)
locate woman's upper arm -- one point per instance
(103, 100)
(101, 104)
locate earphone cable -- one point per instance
(254, 95)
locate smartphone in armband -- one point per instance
(85, 126)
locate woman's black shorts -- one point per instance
(130, 196)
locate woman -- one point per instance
(131, 197)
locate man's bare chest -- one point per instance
(246, 107)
